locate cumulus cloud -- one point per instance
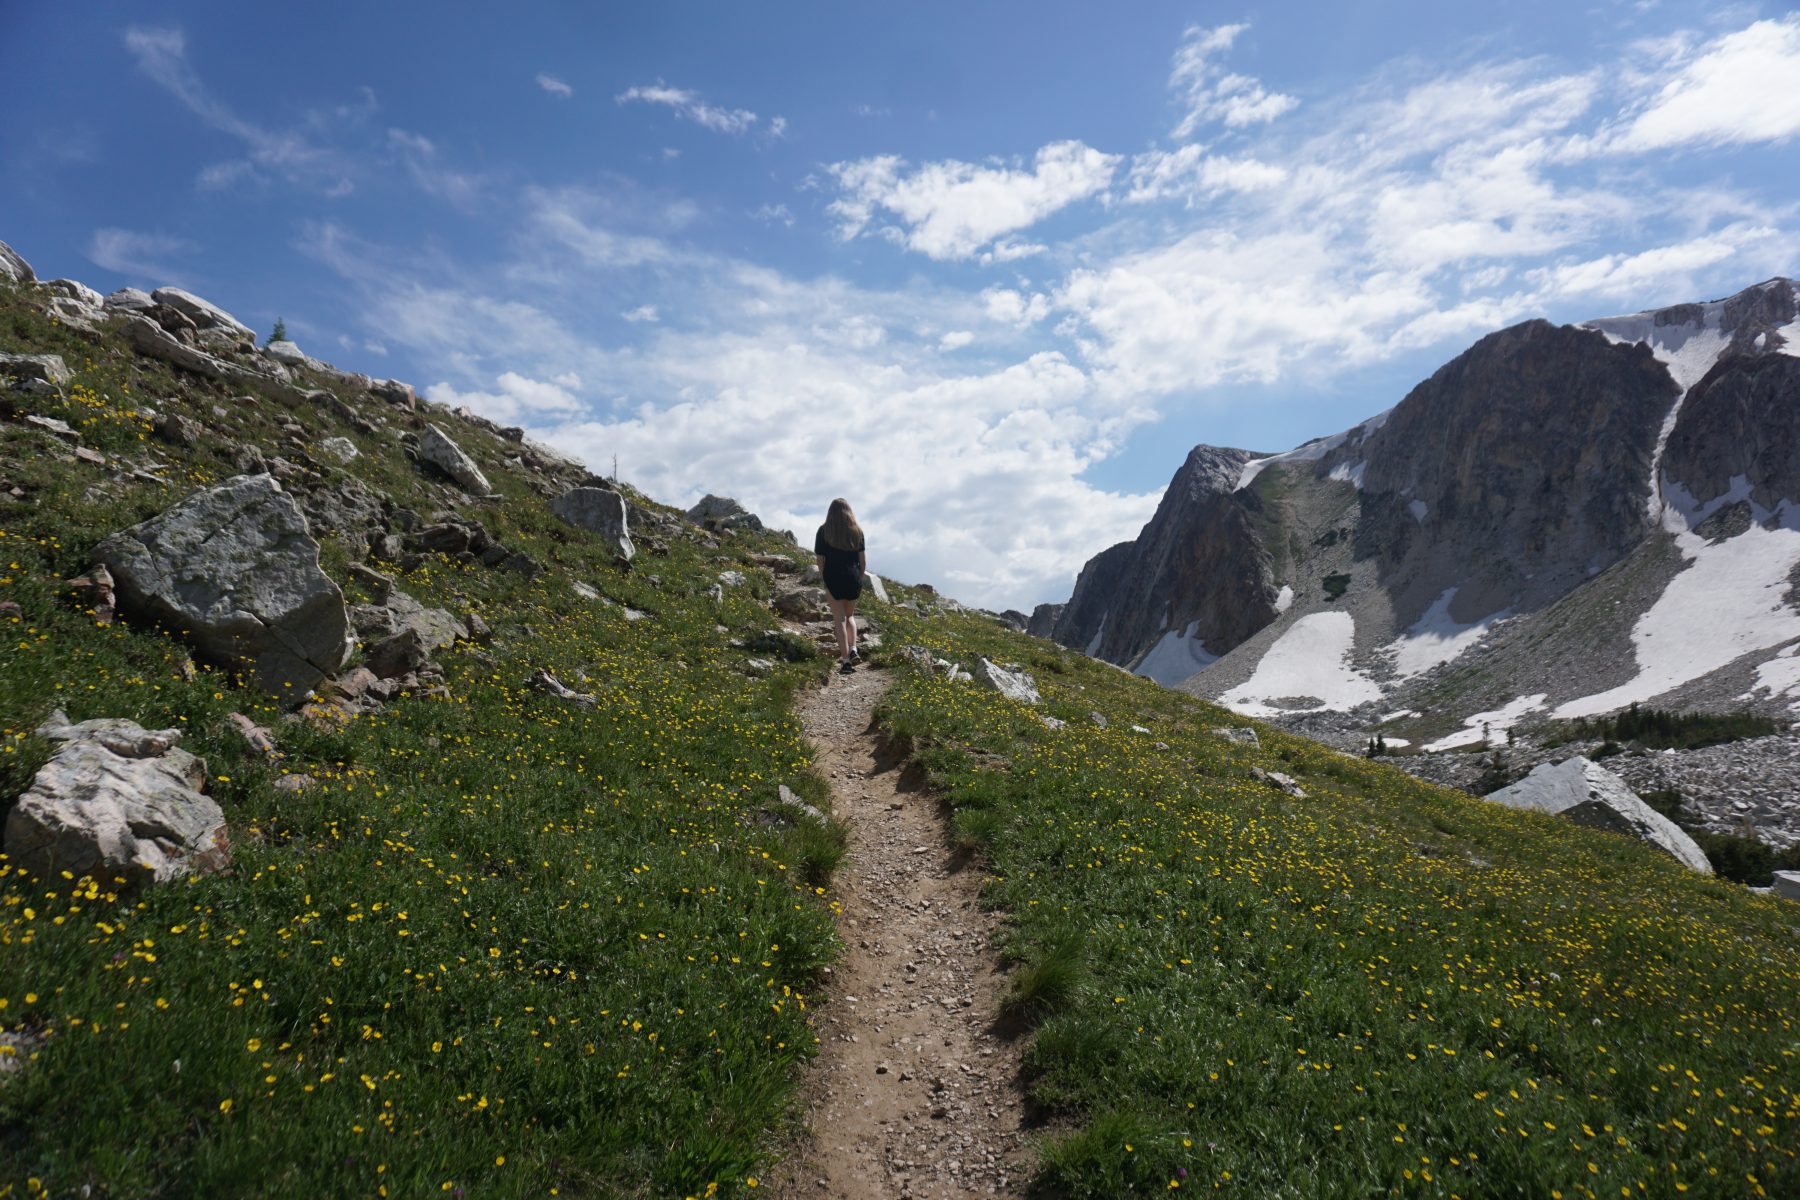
(689, 106)
(554, 86)
(956, 339)
(516, 399)
(1740, 88)
(1193, 175)
(950, 209)
(142, 256)
(643, 312)
(1211, 94)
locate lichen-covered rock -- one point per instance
(45, 368)
(601, 512)
(235, 569)
(1014, 685)
(14, 268)
(116, 800)
(441, 451)
(722, 512)
(129, 299)
(203, 313)
(1591, 795)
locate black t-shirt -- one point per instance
(837, 562)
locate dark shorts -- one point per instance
(844, 585)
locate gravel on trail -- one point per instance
(914, 1093)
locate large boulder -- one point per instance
(13, 268)
(1591, 795)
(236, 570)
(48, 369)
(437, 448)
(149, 338)
(129, 299)
(74, 289)
(1014, 685)
(722, 512)
(402, 634)
(203, 313)
(598, 511)
(116, 799)
(1786, 884)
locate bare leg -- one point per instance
(839, 618)
(850, 624)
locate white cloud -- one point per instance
(952, 209)
(1014, 308)
(956, 339)
(688, 105)
(643, 312)
(143, 256)
(774, 214)
(554, 86)
(162, 55)
(518, 399)
(1744, 87)
(459, 189)
(1190, 173)
(1211, 94)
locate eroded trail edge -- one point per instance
(913, 1094)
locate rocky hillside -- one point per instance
(1559, 522)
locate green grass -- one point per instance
(1385, 989)
(506, 947)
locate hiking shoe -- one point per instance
(854, 656)
(846, 667)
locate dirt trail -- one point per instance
(913, 1094)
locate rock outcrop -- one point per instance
(116, 800)
(441, 451)
(1590, 795)
(1736, 436)
(600, 511)
(13, 266)
(202, 313)
(722, 512)
(1197, 567)
(1013, 684)
(235, 569)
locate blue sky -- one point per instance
(988, 270)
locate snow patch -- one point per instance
(1318, 448)
(1176, 656)
(1790, 339)
(1311, 658)
(1726, 603)
(1418, 509)
(1351, 473)
(1094, 646)
(1484, 726)
(1779, 677)
(1284, 599)
(1435, 638)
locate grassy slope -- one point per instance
(1385, 988)
(510, 947)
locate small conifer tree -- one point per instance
(279, 333)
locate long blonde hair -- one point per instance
(841, 530)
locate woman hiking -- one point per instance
(839, 546)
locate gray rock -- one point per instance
(437, 448)
(1231, 733)
(151, 340)
(75, 290)
(1053, 722)
(722, 512)
(732, 579)
(116, 799)
(1786, 884)
(801, 603)
(13, 267)
(398, 613)
(340, 450)
(1276, 779)
(46, 368)
(287, 352)
(401, 395)
(793, 801)
(236, 570)
(600, 512)
(875, 585)
(54, 426)
(1014, 685)
(203, 313)
(1593, 796)
(129, 299)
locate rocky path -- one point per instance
(913, 1093)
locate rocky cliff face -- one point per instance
(1519, 469)
(1559, 521)
(1198, 569)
